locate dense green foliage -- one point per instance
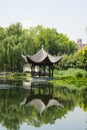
(15, 41)
(76, 60)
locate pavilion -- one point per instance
(41, 63)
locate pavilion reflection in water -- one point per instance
(40, 96)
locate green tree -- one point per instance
(15, 41)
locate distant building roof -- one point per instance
(80, 44)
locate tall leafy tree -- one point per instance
(15, 41)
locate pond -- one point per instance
(35, 105)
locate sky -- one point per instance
(67, 16)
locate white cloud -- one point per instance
(28, 23)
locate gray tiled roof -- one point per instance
(42, 57)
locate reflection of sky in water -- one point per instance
(74, 120)
(2, 127)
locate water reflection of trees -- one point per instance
(12, 115)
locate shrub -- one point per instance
(86, 75)
(79, 75)
(19, 74)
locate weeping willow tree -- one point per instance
(15, 41)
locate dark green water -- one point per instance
(25, 105)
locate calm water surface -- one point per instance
(39, 106)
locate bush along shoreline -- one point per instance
(71, 78)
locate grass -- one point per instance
(16, 75)
(74, 73)
(71, 78)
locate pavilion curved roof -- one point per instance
(42, 57)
